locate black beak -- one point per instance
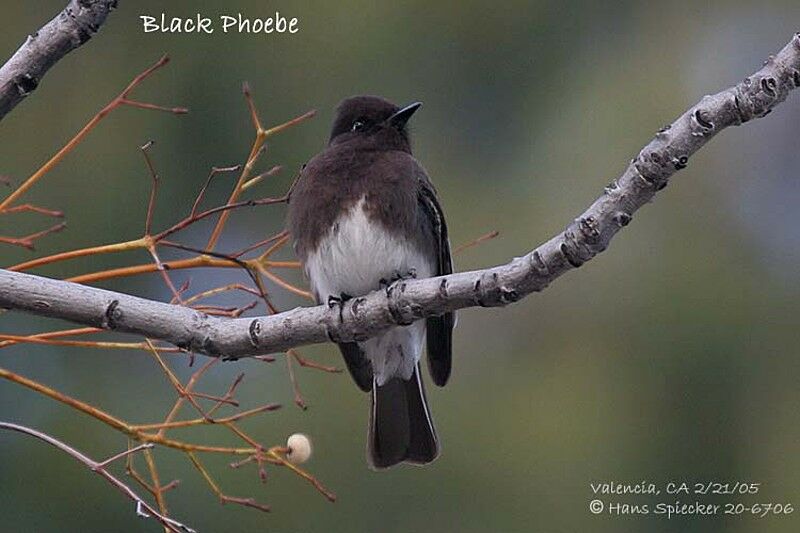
(399, 119)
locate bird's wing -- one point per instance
(357, 364)
(439, 328)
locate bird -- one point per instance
(362, 215)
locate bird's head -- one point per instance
(373, 121)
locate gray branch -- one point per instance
(75, 25)
(408, 301)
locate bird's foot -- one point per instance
(338, 301)
(334, 301)
(388, 284)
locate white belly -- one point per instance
(357, 254)
(352, 259)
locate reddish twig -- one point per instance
(28, 240)
(121, 99)
(476, 241)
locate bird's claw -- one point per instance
(338, 301)
(387, 285)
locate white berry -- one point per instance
(299, 448)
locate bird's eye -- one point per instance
(358, 125)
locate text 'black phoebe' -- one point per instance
(363, 214)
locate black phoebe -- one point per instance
(364, 214)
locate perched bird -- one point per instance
(363, 214)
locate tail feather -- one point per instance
(400, 425)
(423, 447)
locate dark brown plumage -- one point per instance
(361, 209)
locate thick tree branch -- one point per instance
(407, 301)
(75, 25)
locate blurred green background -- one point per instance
(672, 357)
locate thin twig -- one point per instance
(172, 525)
(67, 148)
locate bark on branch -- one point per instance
(407, 301)
(75, 25)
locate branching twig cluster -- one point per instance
(143, 509)
(256, 260)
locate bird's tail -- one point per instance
(400, 425)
